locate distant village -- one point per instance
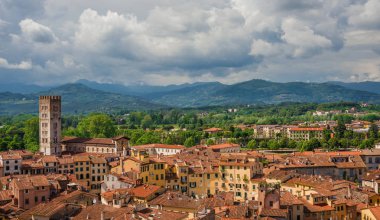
(108, 178)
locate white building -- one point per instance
(115, 181)
(159, 149)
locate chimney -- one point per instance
(121, 164)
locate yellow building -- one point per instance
(82, 170)
(150, 170)
(98, 169)
(371, 213)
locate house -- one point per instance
(372, 213)
(145, 193)
(28, 191)
(117, 145)
(11, 163)
(372, 180)
(213, 130)
(113, 181)
(305, 133)
(225, 148)
(371, 158)
(162, 149)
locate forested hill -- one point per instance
(79, 98)
(261, 91)
(368, 86)
(76, 98)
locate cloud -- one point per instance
(304, 40)
(35, 32)
(23, 65)
(177, 41)
(365, 15)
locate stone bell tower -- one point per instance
(50, 125)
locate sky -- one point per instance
(161, 42)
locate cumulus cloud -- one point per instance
(304, 40)
(23, 65)
(36, 32)
(177, 41)
(365, 15)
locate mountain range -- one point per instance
(86, 96)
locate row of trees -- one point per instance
(186, 126)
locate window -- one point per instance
(26, 201)
(156, 177)
(26, 191)
(43, 199)
(36, 199)
(238, 194)
(271, 203)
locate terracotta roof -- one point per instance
(94, 212)
(102, 141)
(29, 182)
(78, 158)
(371, 152)
(288, 199)
(283, 213)
(222, 146)
(316, 208)
(120, 137)
(108, 196)
(66, 160)
(232, 212)
(145, 191)
(98, 160)
(156, 214)
(49, 159)
(306, 129)
(10, 156)
(213, 130)
(6, 195)
(175, 199)
(375, 211)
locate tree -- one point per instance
(31, 135)
(273, 145)
(96, 126)
(373, 131)
(366, 144)
(333, 143)
(147, 122)
(189, 142)
(327, 134)
(340, 129)
(252, 144)
(263, 144)
(210, 142)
